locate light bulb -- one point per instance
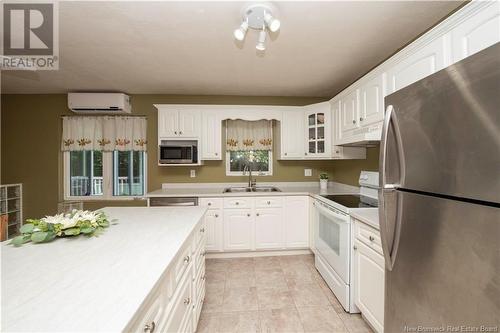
(261, 44)
(272, 23)
(240, 33)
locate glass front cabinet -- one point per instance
(318, 128)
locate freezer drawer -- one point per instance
(447, 265)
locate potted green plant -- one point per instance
(323, 180)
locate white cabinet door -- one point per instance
(238, 229)
(213, 230)
(189, 123)
(211, 141)
(369, 284)
(371, 104)
(168, 123)
(422, 63)
(349, 112)
(292, 141)
(477, 32)
(296, 222)
(269, 228)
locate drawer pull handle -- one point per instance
(371, 238)
(269, 202)
(150, 328)
(180, 132)
(257, 214)
(248, 215)
(186, 259)
(355, 247)
(187, 301)
(237, 203)
(204, 277)
(216, 215)
(202, 230)
(210, 204)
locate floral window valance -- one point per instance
(249, 135)
(106, 133)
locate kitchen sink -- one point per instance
(251, 189)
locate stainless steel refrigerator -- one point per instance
(440, 199)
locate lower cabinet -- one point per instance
(269, 228)
(238, 229)
(256, 223)
(175, 303)
(369, 279)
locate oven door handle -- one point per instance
(321, 207)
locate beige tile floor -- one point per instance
(272, 294)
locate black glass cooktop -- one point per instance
(352, 200)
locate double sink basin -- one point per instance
(251, 189)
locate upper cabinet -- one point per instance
(477, 32)
(211, 135)
(360, 107)
(292, 141)
(175, 123)
(318, 122)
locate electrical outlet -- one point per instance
(192, 174)
(308, 172)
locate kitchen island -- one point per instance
(132, 277)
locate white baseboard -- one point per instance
(247, 254)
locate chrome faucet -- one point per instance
(251, 182)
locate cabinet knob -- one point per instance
(286, 154)
(248, 214)
(150, 328)
(216, 154)
(186, 259)
(360, 118)
(202, 230)
(354, 121)
(204, 277)
(175, 132)
(371, 238)
(269, 202)
(257, 214)
(187, 301)
(216, 215)
(180, 132)
(237, 203)
(210, 204)
(305, 154)
(355, 247)
(337, 151)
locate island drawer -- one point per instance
(180, 309)
(368, 235)
(264, 202)
(200, 233)
(182, 262)
(149, 315)
(199, 257)
(238, 202)
(211, 203)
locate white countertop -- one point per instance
(92, 284)
(366, 215)
(216, 189)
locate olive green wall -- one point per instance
(31, 132)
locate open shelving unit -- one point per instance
(11, 209)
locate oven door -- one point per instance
(332, 230)
(176, 154)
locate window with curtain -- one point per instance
(249, 145)
(104, 157)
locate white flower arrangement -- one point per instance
(61, 225)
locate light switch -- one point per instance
(308, 172)
(192, 174)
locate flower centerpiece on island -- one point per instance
(61, 225)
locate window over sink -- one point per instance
(249, 146)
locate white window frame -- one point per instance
(107, 179)
(254, 172)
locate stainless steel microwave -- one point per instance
(178, 152)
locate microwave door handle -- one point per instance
(390, 234)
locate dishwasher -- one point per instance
(172, 201)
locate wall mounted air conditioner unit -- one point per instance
(92, 103)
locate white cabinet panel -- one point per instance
(238, 229)
(213, 230)
(292, 141)
(269, 228)
(211, 140)
(296, 222)
(349, 112)
(189, 123)
(371, 108)
(167, 123)
(477, 32)
(369, 275)
(422, 63)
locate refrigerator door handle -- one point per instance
(390, 233)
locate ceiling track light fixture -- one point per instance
(258, 17)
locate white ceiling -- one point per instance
(188, 48)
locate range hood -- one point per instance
(362, 137)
